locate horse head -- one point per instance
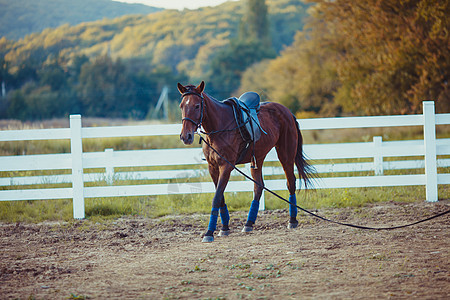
(192, 110)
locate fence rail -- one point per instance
(74, 164)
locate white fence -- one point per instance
(76, 161)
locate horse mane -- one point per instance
(212, 98)
(192, 87)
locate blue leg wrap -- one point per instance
(224, 215)
(293, 208)
(253, 213)
(213, 219)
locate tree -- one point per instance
(34, 102)
(252, 45)
(366, 57)
(64, 63)
(303, 77)
(229, 65)
(389, 55)
(114, 88)
(100, 84)
(255, 25)
(286, 18)
(52, 75)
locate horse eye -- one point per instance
(197, 106)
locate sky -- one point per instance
(177, 4)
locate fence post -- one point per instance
(109, 169)
(429, 135)
(76, 149)
(262, 201)
(378, 155)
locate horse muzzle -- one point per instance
(187, 138)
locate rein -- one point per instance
(224, 130)
(311, 213)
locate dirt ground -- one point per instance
(141, 258)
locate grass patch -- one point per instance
(158, 206)
(358, 197)
(36, 211)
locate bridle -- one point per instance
(199, 123)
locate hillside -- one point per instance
(19, 18)
(185, 41)
(90, 68)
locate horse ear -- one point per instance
(200, 87)
(181, 88)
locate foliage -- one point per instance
(21, 17)
(255, 24)
(92, 67)
(230, 63)
(301, 78)
(100, 87)
(391, 55)
(173, 38)
(364, 57)
(286, 17)
(34, 102)
(251, 46)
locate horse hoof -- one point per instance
(292, 225)
(224, 233)
(208, 239)
(247, 229)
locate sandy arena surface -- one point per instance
(141, 258)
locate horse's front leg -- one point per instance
(258, 190)
(218, 205)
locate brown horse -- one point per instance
(221, 131)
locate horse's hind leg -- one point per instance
(258, 190)
(290, 176)
(225, 219)
(287, 161)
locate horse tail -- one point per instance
(305, 170)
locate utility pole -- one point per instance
(162, 102)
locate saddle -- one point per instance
(245, 111)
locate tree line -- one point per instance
(362, 57)
(116, 68)
(99, 87)
(349, 58)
